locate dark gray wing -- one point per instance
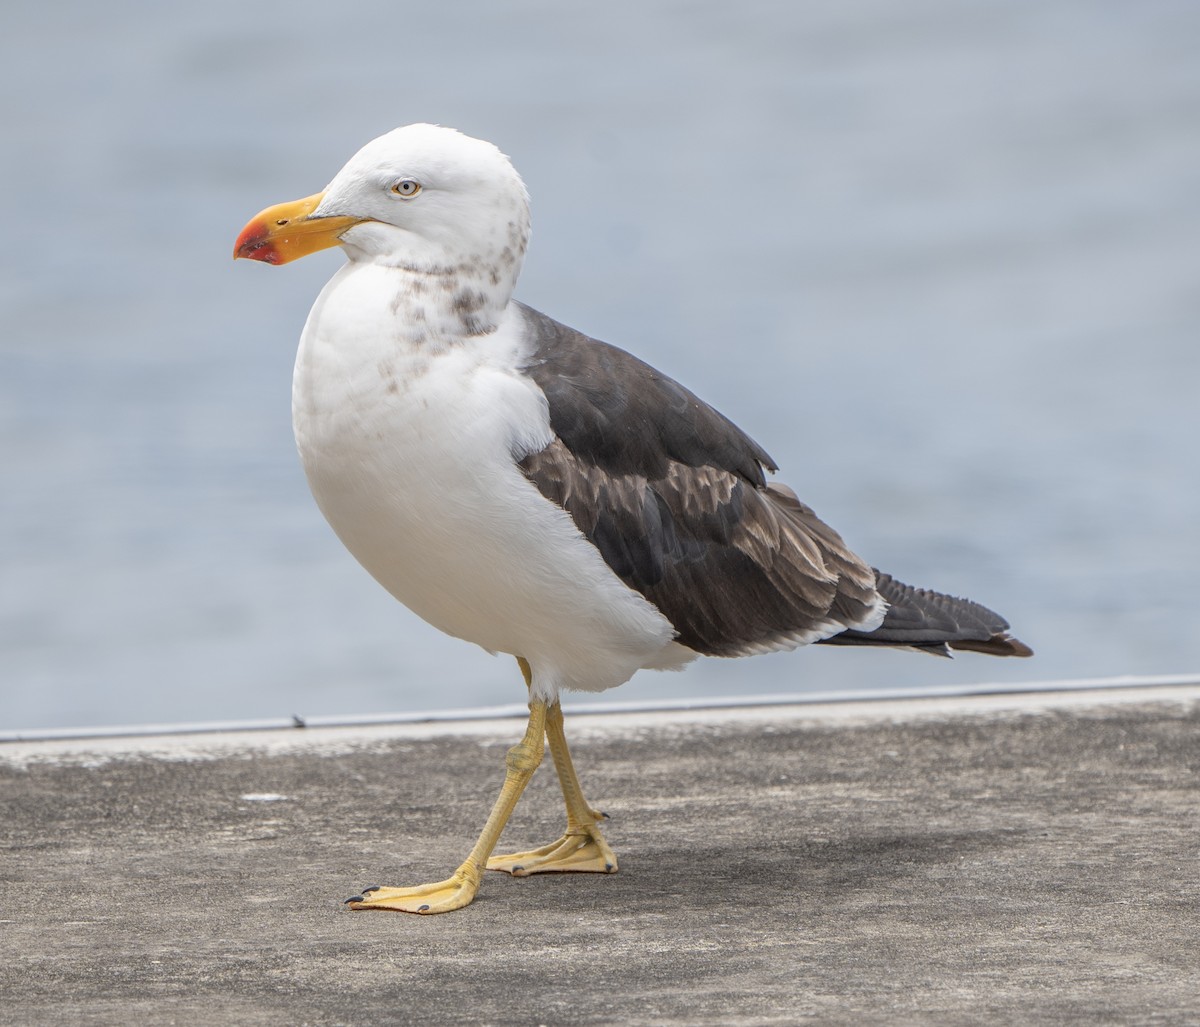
(674, 497)
(932, 622)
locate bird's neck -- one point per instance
(436, 304)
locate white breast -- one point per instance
(408, 451)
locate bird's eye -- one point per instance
(407, 188)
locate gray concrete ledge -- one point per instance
(574, 707)
(1000, 859)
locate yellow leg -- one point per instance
(460, 888)
(582, 848)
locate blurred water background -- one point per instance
(942, 259)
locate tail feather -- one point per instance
(934, 623)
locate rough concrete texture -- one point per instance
(955, 862)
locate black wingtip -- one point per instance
(1002, 644)
(935, 623)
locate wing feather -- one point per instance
(674, 497)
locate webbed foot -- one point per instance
(440, 897)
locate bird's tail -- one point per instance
(933, 623)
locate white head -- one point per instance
(424, 199)
(430, 198)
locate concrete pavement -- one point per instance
(1025, 859)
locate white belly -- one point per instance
(409, 456)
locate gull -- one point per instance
(540, 493)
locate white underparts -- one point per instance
(407, 438)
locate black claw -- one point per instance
(515, 869)
(370, 888)
(604, 815)
(421, 909)
(354, 898)
(608, 868)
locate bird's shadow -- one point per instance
(766, 873)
